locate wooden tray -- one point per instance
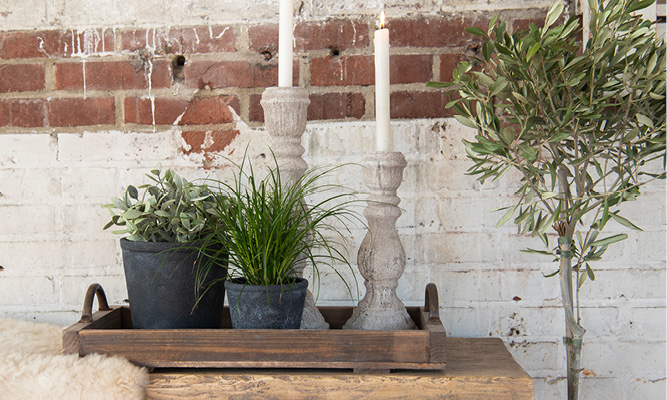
(109, 331)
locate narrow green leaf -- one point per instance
(589, 272)
(644, 120)
(623, 221)
(553, 14)
(532, 50)
(465, 121)
(506, 217)
(582, 279)
(475, 31)
(610, 240)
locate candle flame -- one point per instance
(382, 20)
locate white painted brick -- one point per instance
(529, 286)
(115, 146)
(60, 318)
(519, 322)
(536, 356)
(626, 284)
(24, 221)
(90, 184)
(20, 15)
(647, 389)
(645, 323)
(22, 150)
(600, 388)
(651, 247)
(82, 222)
(473, 321)
(469, 286)
(30, 292)
(612, 358)
(99, 254)
(600, 321)
(29, 185)
(23, 258)
(550, 388)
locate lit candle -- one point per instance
(382, 133)
(285, 40)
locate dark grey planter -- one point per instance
(160, 280)
(251, 309)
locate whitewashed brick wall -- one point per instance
(54, 184)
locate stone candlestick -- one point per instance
(285, 119)
(381, 255)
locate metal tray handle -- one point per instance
(87, 313)
(431, 303)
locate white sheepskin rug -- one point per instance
(32, 366)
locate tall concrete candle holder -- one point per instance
(381, 255)
(285, 120)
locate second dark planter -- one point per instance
(160, 281)
(251, 308)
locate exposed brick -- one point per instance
(433, 32)
(112, 75)
(336, 106)
(333, 34)
(424, 104)
(448, 63)
(55, 43)
(410, 68)
(21, 77)
(196, 111)
(342, 71)
(256, 112)
(167, 110)
(208, 141)
(81, 112)
(263, 38)
(22, 112)
(223, 74)
(523, 24)
(191, 40)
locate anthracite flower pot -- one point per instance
(160, 280)
(251, 309)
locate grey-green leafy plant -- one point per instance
(583, 125)
(171, 209)
(265, 226)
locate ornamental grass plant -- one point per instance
(266, 227)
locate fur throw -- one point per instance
(32, 366)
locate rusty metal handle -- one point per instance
(87, 313)
(431, 303)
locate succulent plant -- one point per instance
(171, 209)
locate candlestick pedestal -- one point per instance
(285, 119)
(381, 255)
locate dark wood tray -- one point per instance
(109, 331)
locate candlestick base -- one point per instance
(285, 120)
(381, 256)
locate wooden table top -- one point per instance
(477, 369)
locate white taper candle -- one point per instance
(382, 132)
(285, 43)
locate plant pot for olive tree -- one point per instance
(266, 306)
(160, 280)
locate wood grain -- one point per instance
(111, 333)
(477, 369)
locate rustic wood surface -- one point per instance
(477, 369)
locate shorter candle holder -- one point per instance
(381, 257)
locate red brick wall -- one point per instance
(148, 79)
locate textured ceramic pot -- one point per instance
(266, 307)
(160, 280)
